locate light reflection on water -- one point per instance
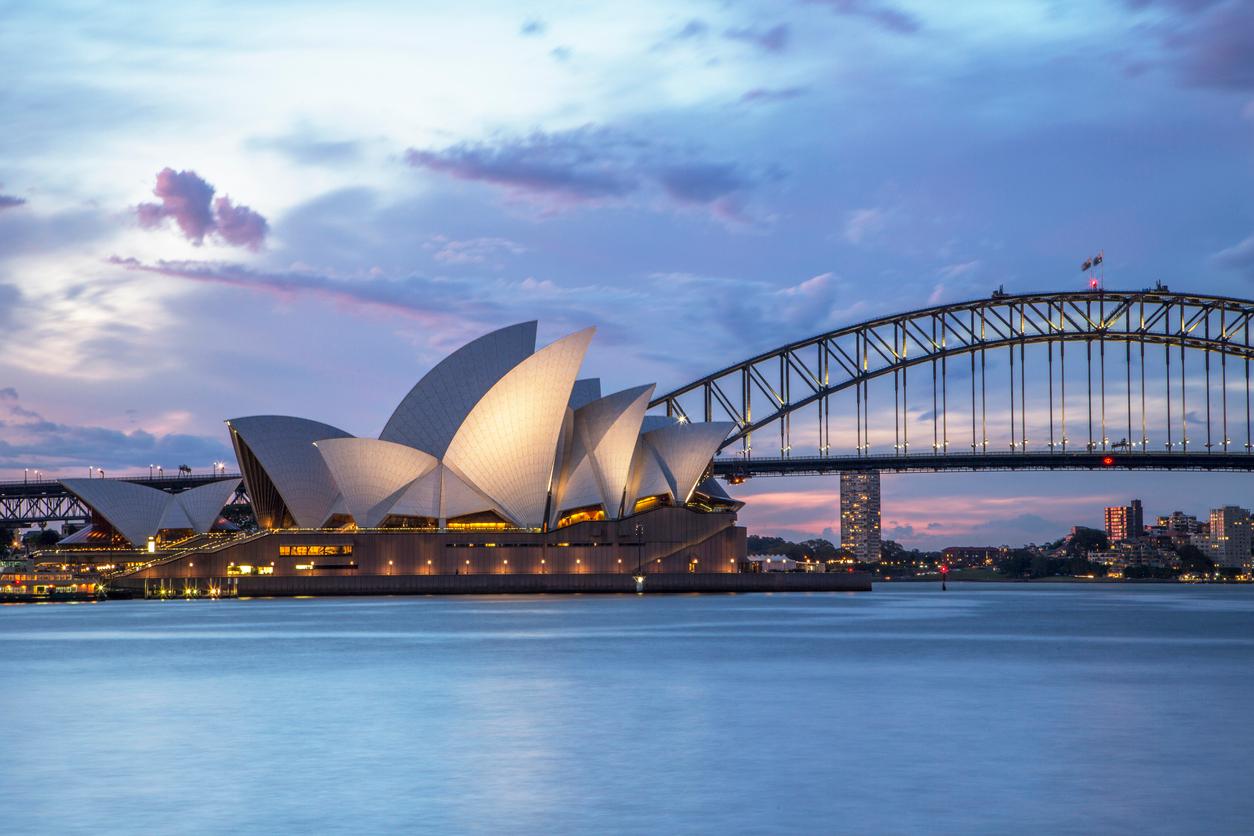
(988, 708)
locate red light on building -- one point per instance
(1108, 461)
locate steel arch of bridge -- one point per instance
(769, 388)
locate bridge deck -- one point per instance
(1109, 460)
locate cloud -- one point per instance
(767, 95)
(886, 17)
(472, 250)
(8, 201)
(1209, 44)
(773, 40)
(693, 29)
(1238, 257)
(302, 147)
(10, 298)
(532, 28)
(435, 303)
(864, 224)
(188, 200)
(562, 53)
(28, 439)
(590, 166)
(581, 165)
(238, 225)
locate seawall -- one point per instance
(486, 584)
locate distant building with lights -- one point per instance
(1125, 522)
(1230, 536)
(860, 514)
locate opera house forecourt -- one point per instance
(499, 471)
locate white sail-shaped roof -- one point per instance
(506, 445)
(604, 439)
(138, 512)
(430, 415)
(283, 447)
(204, 504)
(647, 478)
(135, 511)
(370, 472)
(174, 516)
(440, 494)
(683, 450)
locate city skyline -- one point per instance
(204, 213)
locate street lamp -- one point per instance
(639, 529)
(160, 472)
(150, 467)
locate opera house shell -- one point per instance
(497, 435)
(499, 459)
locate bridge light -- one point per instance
(1108, 461)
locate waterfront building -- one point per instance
(1136, 519)
(1230, 536)
(499, 460)
(1116, 523)
(860, 514)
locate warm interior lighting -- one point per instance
(590, 513)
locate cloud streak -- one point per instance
(28, 439)
(591, 166)
(886, 17)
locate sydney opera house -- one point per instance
(499, 461)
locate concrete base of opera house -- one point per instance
(677, 549)
(270, 586)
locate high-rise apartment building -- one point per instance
(1230, 536)
(1125, 522)
(1136, 519)
(860, 514)
(1117, 523)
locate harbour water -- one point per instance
(986, 709)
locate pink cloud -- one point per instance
(238, 225)
(187, 199)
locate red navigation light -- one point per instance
(944, 569)
(1093, 284)
(1108, 461)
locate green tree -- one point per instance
(1086, 540)
(1194, 561)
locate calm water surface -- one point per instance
(985, 709)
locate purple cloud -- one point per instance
(774, 39)
(187, 199)
(701, 182)
(10, 202)
(577, 166)
(238, 225)
(1209, 43)
(589, 166)
(887, 17)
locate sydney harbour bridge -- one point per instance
(1145, 379)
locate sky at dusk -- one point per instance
(218, 210)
